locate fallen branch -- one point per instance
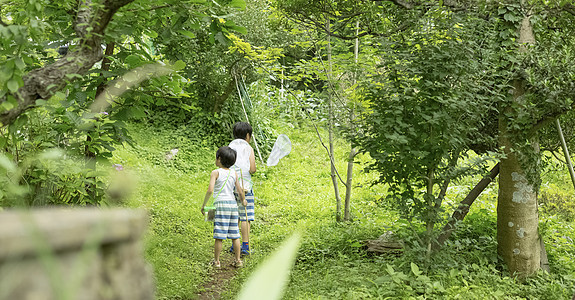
(385, 244)
(463, 207)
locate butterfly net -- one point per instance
(282, 147)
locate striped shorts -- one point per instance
(250, 208)
(226, 220)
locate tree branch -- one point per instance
(42, 83)
(451, 4)
(463, 207)
(307, 22)
(152, 8)
(106, 62)
(546, 120)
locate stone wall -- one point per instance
(69, 254)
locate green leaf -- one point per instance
(15, 29)
(179, 65)
(27, 59)
(19, 63)
(6, 106)
(239, 29)
(13, 85)
(453, 273)
(5, 74)
(509, 17)
(221, 38)
(133, 60)
(137, 112)
(9, 66)
(269, 280)
(194, 26)
(174, 87)
(187, 33)
(50, 86)
(415, 269)
(20, 121)
(11, 99)
(241, 4)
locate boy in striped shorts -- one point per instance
(245, 166)
(223, 181)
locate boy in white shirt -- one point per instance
(246, 166)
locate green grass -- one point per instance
(297, 195)
(178, 243)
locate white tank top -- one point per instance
(225, 183)
(243, 152)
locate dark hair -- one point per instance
(241, 130)
(227, 156)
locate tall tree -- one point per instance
(517, 217)
(443, 89)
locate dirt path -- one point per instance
(219, 279)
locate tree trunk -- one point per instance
(330, 131)
(430, 210)
(517, 218)
(220, 99)
(348, 185)
(352, 151)
(106, 62)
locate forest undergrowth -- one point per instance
(332, 262)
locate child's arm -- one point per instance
(210, 191)
(252, 162)
(242, 195)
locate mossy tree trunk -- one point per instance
(517, 217)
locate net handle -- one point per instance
(247, 119)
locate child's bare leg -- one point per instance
(217, 250)
(236, 244)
